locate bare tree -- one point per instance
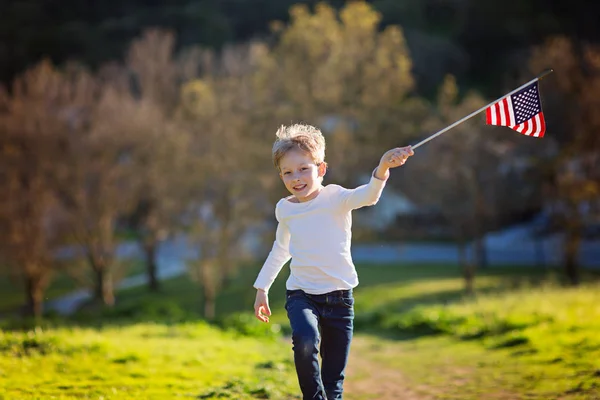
(227, 165)
(159, 180)
(150, 59)
(32, 222)
(160, 156)
(97, 187)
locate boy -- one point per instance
(314, 230)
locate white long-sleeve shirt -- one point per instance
(316, 235)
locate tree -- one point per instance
(225, 120)
(159, 154)
(32, 221)
(572, 104)
(455, 174)
(338, 71)
(97, 185)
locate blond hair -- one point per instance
(301, 137)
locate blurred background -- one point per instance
(136, 183)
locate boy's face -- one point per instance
(301, 175)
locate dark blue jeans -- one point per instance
(324, 322)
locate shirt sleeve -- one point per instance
(365, 195)
(279, 255)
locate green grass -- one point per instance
(380, 285)
(522, 336)
(540, 342)
(143, 361)
(526, 334)
(441, 367)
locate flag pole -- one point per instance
(540, 76)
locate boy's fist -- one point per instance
(396, 157)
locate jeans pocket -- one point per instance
(347, 301)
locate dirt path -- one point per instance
(368, 379)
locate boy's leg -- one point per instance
(336, 334)
(304, 321)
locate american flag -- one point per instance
(521, 111)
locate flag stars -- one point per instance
(526, 104)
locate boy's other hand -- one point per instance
(261, 306)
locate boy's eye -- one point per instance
(286, 173)
(303, 168)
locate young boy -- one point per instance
(314, 230)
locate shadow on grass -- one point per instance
(235, 389)
(381, 320)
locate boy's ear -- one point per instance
(322, 169)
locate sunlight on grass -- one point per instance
(540, 341)
(522, 335)
(145, 361)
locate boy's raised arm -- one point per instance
(367, 195)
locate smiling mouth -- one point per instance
(298, 188)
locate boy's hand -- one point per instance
(391, 159)
(261, 306)
(396, 157)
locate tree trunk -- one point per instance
(572, 240)
(469, 275)
(479, 221)
(35, 294)
(466, 265)
(210, 286)
(209, 305)
(470, 267)
(462, 254)
(103, 283)
(480, 253)
(104, 286)
(226, 268)
(225, 263)
(151, 266)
